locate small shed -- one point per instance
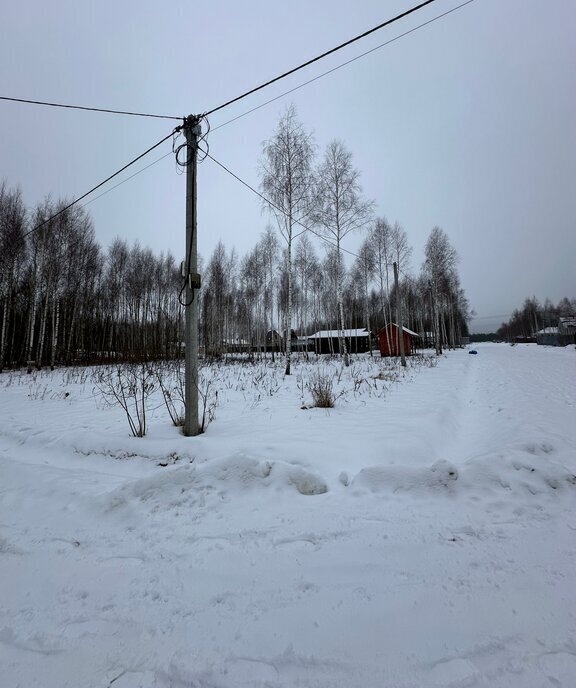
(328, 341)
(235, 345)
(567, 330)
(300, 344)
(567, 325)
(274, 341)
(562, 335)
(427, 340)
(390, 340)
(548, 336)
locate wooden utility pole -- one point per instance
(191, 131)
(400, 325)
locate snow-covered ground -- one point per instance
(420, 534)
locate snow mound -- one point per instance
(440, 476)
(192, 485)
(454, 673)
(520, 471)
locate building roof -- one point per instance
(404, 329)
(234, 342)
(548, 330)
(327, 334)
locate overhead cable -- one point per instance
(77, 200)
(278, 208)
(320, 57)
(135, 174)
(344, 64)
(91, 109)
(282, 95)
(140, 114)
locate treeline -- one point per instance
(301, 191)
(64, 299)
(245, 299)
(484, 337)
(534, 316)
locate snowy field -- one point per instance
(420, 534)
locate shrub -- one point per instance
(322, 390)
(128, 385)
(170, 377)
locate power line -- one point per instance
(344, 64)
(140, 114)
(471, 318)
(282, 95)
(91, 109)
(298, 222)
(77, 200)
(278, 208)
(320, 57)
(127, 179)
(490, 317)
(296, 88)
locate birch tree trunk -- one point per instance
(41, 333)
(55, 323)
(289, 308)
(31, 328)
(5, 320)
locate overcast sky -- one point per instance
(468, 123)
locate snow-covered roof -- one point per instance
(405, 329)
(548, 330)
(327, 334)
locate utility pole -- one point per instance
(399, 316)
(190, 273)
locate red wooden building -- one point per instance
(390, 341)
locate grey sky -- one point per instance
(469, 123)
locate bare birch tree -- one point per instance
(306, 263)
(269, 249)
(362, 273)
(381, 241)
(439, 264)
(341, 209)
(12, 249)
(286, 180)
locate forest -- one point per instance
(534, 316)
(64, 299)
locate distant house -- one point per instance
(273, 337)
(427, 340)
(562, 335)
(521, 339)
(328, 341)
(390, 340)
(235, 345)
(567, 330)
(274, 341)
(301, 344)
(547, 336)
(277, 341)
